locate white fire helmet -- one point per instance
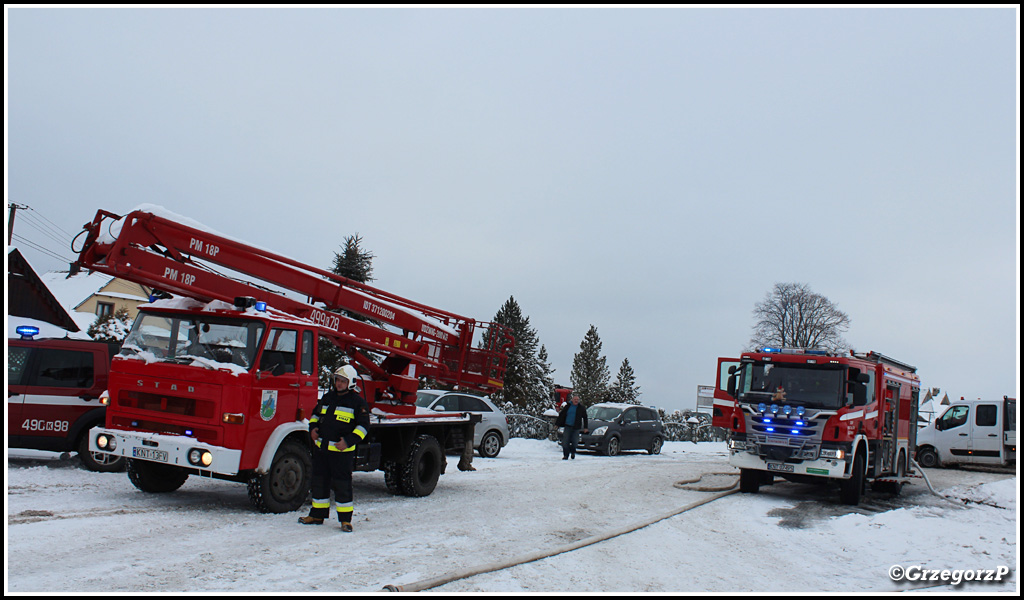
(348, 372)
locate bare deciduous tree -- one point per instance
(792, 316)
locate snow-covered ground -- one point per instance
(69, 530)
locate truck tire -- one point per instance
(928, 457)
(101, 462)
(750, 481)
(285, 486)
(155, 478)
(850, 489)
(490, 444)
(422, 467)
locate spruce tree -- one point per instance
(625, 389)
(355, 263)
(590, 373)
(523, 372)
(111, 327)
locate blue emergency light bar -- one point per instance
(27, 332)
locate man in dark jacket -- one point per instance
(339, 422)
(573, 417)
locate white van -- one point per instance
(971, 432)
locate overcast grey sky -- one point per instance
(649, 171)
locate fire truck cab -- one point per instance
(807, 415)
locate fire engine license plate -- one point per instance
(780, 467)
(146, 453)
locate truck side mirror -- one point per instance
(731, 385)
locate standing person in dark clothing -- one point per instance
(573, 418)
(339, 422)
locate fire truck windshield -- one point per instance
(188, 337)
(781, 383)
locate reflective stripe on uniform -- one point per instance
(322, 503)
(344, 414)
(360, 431)
(345, 507)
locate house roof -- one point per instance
(30, 296)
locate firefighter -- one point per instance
(339, 422)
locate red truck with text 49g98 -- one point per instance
(807, 415)
(219, 380)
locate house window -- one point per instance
(104, 309)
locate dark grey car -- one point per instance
(617, 427)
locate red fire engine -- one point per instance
(811, 416)
(218, 380)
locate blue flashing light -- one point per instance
(188, 432)
(800, 423)
(770, 429)
(261, 306)
(27, 332)
(800, 411)
(787, 409)
(762, 407)
(775, 408)
(769, 350)
(796, 432)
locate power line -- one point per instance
(39, 248)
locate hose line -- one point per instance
(427, 584)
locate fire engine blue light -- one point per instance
(188, 432)
(770, 429)
(27, 331)
(762, 407)
(787, 409)
(796, 432)
(800, 423)
(769, 349)
(766, 420)
(775, 408)
(800, 411)
(261, 306)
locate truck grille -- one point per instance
(163, 403)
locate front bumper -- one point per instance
(166, 449)
(821, 467)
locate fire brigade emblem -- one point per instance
(268, 407)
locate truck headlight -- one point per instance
(106, 442)
(832, 453)
(200, 457)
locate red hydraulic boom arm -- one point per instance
(163, 253)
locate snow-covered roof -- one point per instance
(72, 291)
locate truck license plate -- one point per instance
(780, 467)
(146, 453)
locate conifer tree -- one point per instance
(625, 389)
(355, 263)
(523, 372)
(590, 373)
(111, 327)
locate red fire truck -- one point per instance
(810, 416)
(219, 378)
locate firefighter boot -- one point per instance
(310, 521)
(346, 527)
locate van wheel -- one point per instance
(927, 457)
(285, 486)
(102, 462)
(614, 447)
(656, 445)
(155, 478)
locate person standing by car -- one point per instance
(340, 421)
(573, 418)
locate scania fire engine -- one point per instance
(810, 416)
(219, 378)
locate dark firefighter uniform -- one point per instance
(337, 416)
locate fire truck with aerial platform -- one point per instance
(219, 378)
(810, 416)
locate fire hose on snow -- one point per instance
(427, 584)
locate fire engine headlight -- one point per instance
(200, 457)
(832, 453)
(106, 442)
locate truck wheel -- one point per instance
(927, 457)
(850, 489)
(393, 478)
(423, 467)
(490, 445)
(101, 462)
(613, 447)
(750, 480)
(155, 478)
(285, 486)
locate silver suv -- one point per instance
(490, 436)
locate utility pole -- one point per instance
(10, 221)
